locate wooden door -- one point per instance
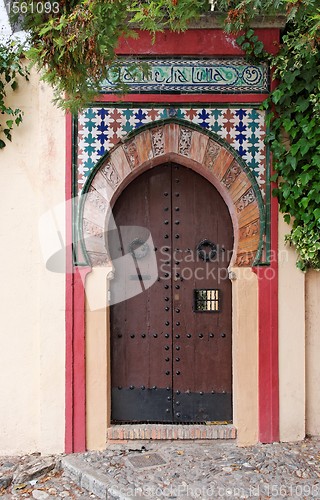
(171, 357)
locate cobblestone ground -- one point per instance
(180, 469)
(33, 476)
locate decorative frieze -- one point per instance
(157, 141)
(231, 174)
(245, 259)
(95, 199)
(212, 151)
(109, 172)
(249, 230)
(90, 229)
(130, 149)
(99, 259)
(185, 141)
(246, 199)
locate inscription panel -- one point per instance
(188, 75)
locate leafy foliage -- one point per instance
(10, 69)
(296, 117)
(158, 15)
(294, 125)
(75, 46)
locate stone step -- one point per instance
(168, 431)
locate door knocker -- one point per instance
(138, 248)
(206, 250)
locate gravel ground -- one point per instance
(213, 469)
(175, 469)
(34, 476)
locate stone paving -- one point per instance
(37, 477)
(169, 470)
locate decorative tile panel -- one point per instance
(187, 75)
(100, 128)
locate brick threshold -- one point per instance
(168, 431)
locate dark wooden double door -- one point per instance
(171, 344)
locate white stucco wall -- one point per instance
(32, 299)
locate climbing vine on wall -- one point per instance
(74, 44)
(10, 68)
(294, 126)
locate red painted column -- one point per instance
(75, 412)
(268, 279)
(268, 339)
(69, 292)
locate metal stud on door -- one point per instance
(202, 382)
(171, 345)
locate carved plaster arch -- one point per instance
(187, 145)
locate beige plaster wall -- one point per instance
(245, 354)
(291, 342)
(32, 299)
(97, 358)
(312, 352)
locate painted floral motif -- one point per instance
(98, 259)
(130, 149)
(245, 259)
(157, 141)
(110, 174)
(212, 151)
(246, 199)
(231, 174)
(92, 229)
(249, 230)
(185, 141)
(95, 199)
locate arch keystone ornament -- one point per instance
(189, 146)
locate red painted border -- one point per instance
(194, 42)
(79, 357)
(69, 292)
(75, 411)
(268, 340)
(184, 98)
(269, 431)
